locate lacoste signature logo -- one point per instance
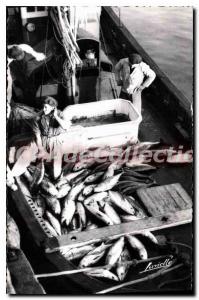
(154, 266)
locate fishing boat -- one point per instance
(74, 78)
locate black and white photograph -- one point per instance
(99, 149)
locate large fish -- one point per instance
(76, 252)
(88, 190)
(68, 211)
(63, 191)
(137, 245)
(91, 225)
(82, 214)
(69, 177)
(119, 201)
(84, 164)
(110, 212)
(103, 273)
(96, 197)
(129, 218)
(109, 172)
(150, 236)
(38, 174)
(107, 184)
(115, 252)
(123, 268)
(53, 204)
(93, 256)
(75, 191)
(80, 177)
(81, 197)
(93, 177)
(28, 176)
(48, 187)
(94, 209)
(54, 222)
(51, 230)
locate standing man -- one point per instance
(130, 74)
(23, 61)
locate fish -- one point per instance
(93, 256)
(137, 245)
(76, 252)
(93, 177)
(81, 197)
(63, 191)
(82, 213)
(101, 167)
(53, 203)
(135, 161)
(88, 190)
(80, 177)
(71, 176)
(48, 187)
(103, 273)
(54, 222)
(38, 175)
(75, 191)
(115, 252)
(12, 234)
(61, 182)
(122, 268)
(109, 172)
(94, 209)
(96, 197)
(129, 218)
(119, 201)
(107, 184)
(91, 225)
(83, 164)
(110, 212)
(28, 176)
(50, 229)
(148, 234)
(74, 224)
(142, 168)
(67, 168)
(68, 211)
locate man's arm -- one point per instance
(63, 123)
(38, 55)
(149, 73)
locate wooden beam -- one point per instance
(109, 232)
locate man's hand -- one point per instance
(40, 56)
(55, 113)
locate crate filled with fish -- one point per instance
(89, 197)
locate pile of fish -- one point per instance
(115, 256)
(87, 195)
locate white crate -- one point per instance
(110, 135)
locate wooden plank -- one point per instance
(20, 198)
(164, 199)
(115, 231)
